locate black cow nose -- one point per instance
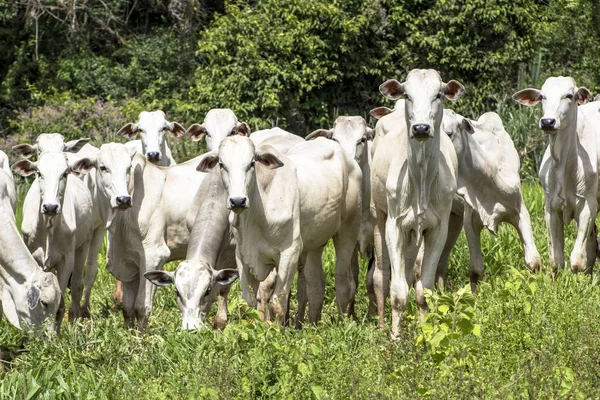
(421, 130)
(124, 201)
(50, 208)
(237, 202)
(153, 155)
(547, 123)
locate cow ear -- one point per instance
(196, 132)
(379, 112)
(454, 90)
(73, 146)
(582, 95)
(24, 167)
(528, 97)
(129, 131)
(160, 278)
(392, 89)
(467, 126)
(243, 129)
(370, 133)
(208, 162)
(225, 277)
(326, 133)
(597, 98)
(83, 166)
(25, 150)
(266, 155)
(176, 130)
(33, 297)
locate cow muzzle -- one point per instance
(153, 156)
(421, 131)
(548, 124)
(238, 204)
(123, 202)
(50, 209)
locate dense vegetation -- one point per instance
(523, 336)
(86, 67)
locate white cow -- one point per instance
(151, 127)
(75, 150)
(30, 296)
(413, 184)
(218, 124)
(569, 169)
(57, 221)
(203, 276)
(148, 211)
(285, 209)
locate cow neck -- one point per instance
(211, 222)
(423, 167)
(563, 153)
(15, 259)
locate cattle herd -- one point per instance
(262, 206)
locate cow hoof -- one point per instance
(85, 313)
(220, 323)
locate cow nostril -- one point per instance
(547, 123)
(50, 208)
(124, 200)
(153, 155)
(421, 129)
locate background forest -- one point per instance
(85, 67)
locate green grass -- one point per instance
(523, 336)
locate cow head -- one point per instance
(559, 97)
(457, 127)
(49, 142)
(52, 170)
(43, 299)
(237, 158)
(351, 133)
(151, 127)
(219, 123)
(197, 286)
(113, 174)
(424, 94)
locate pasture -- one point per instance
(523, 335)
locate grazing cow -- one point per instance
(413, 184)
(285, 209)
(151, 127)
(569, 169)
(30, 296)
(148, 211)
(219, 123)
(57, 221)
(203, 275)
(489, 184)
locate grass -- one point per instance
(523, 336)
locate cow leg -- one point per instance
(522, 223)
(455, 226)
(402, 252)
(265, 292)
(434, 245)
(381, 272)
(248, 283)
(370, 290)
(288, 264)
(91, 269)
(473, 227)
(77, 281)
(583, 255)
(302, 297)
(556, 234)
(63, 275)
(315, 284)
(345, 288)
(221, 318)
(130, 290)
(355, 271)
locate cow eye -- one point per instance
(362, 140)
(65, 174)
(569, 96)
(221, 165)
(233, 132)
(407, 97)
(177, 292)
(103, 168)
(252, 163)
(438, 96)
